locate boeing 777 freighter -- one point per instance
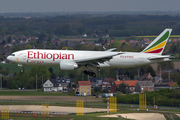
(72, 59)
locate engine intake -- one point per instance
(67, 65)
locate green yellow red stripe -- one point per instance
(156, 51)
(161, 45)
(163, 38)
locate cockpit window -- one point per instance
(12, 54)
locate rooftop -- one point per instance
(83, 83)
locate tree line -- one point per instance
(163, 97)
(69, 25)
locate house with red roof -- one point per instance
(131, 84)
(122, 41)
(174, 40)
(173, 84)
(83, 89)
(106, 83)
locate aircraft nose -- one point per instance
(9, 58)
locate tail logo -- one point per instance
(158, 46)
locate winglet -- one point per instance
(158, 45)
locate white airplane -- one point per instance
(72, 59)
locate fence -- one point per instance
(5, 114)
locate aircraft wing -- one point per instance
(159, 57)
(110, 50)
(96, 60)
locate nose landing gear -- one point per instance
(21, 67)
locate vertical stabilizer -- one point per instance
(157, 46)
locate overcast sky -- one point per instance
(88, 5)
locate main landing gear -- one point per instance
(89, 72)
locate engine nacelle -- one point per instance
(67, 65)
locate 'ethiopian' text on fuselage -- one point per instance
(54, 56)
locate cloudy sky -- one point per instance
(88, 5)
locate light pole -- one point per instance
(1, 82)
(36, 81)
(82, 76)
(42, 79)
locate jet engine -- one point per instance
(67, 65)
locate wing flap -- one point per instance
(96, 60)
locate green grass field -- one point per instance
(14, 68)
(31, 93)
(73, 117)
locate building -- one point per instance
(142, 86)
(50, 85)
(96, 81)
(173, 85)
(83, 89)
(131, 84)
(63, 83)
(145, 77)
(58, 84)
(105, 35)
(158, 86)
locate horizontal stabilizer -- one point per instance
(159, 57)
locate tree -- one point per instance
(9, 39)
(124, 88)
(81, 29)
(150, 70)
(164, 75)
(165, 65)
(14, 85)
(116, 44)
(177, 55)
(41, 36)
(67, 48)
(119, 94)
(112, 73)
(16, 48)
(42, 71)
(3, 42)
(50, 70)
(22, 79)
(64, 29)
(119, 27)
(28, 46)
(175, 77)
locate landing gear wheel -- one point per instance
(85, 72)
(93, 74)
(21, 69)
(90, 73)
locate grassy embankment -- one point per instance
(30, 93)
(14, 68)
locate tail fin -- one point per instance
(158, 45)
